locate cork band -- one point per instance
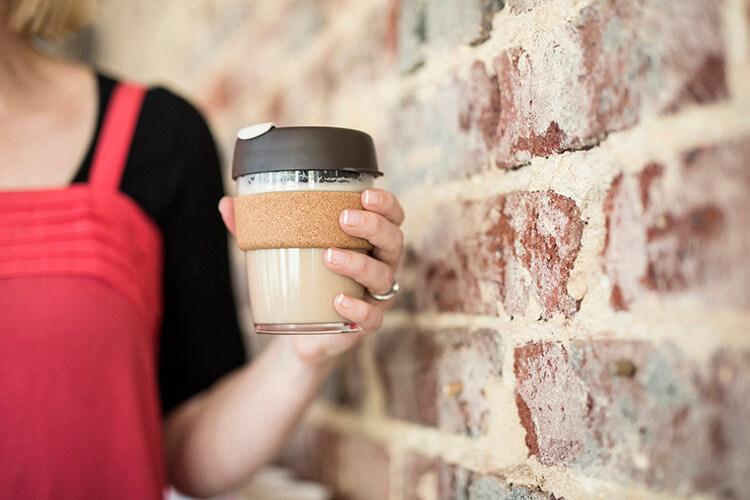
(295, 219)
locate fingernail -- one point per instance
(372, 197)
(344, 301)
(352, 218)
(336, 256)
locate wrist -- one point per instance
(308, 363)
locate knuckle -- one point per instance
(372, 316)
(388, 275)
(376, 224)
(390, 201)
(359, 265)
(399, 240)
(394, 244)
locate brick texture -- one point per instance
(585, 96)
(634, 410)
(433, 478)
(346, 385)
(519, 6)
(452, 23)
(498, 254)
(351, 466)
(412, 34)
(673, 229)
(576, 84)
(438, 378)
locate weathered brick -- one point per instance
(406, 299)
(443, 134)
(420, 477)
(432, 478)
(412, 33)
(630, 410)
(466, 485)
(682, 228)
(618, 62)
(351, 381)
(503, 250)
(313, 453)
(451, 23)
(353, 467)
(363, 470)
(519, 6)
(441, 23)
(438, 378)
(407, 368)
(346, 385)
(312, 93)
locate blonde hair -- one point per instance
(49, 19)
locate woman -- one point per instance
(121, 365)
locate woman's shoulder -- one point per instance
(172, 151)
(166, 116)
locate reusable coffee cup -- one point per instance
(292, 184)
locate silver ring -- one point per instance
(388, 295)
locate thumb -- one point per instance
(226, 208)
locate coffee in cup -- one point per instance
(292, 184)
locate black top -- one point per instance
(173, 173)
(305, 148)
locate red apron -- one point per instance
(80, 308)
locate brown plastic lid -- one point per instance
(267, 148)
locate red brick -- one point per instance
(506, 249)
(439, 378)
(454, 482)
(363, 470)
(313, 453)
(353, 467)
(346, 385)
(686, 233)
(619, 61)
(415, 467)
(455, 128)
(461, 483)
(407, 368)
(406, 298)
(629, 410)
(342, 64)
(441, 24)
(351, 380)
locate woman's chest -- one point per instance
(81, 232)
(42, 149)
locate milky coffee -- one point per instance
(291, 289)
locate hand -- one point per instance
(379, 224)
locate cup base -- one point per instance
(303, 328)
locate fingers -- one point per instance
(384, 203)
(226, 209)
(374, 275)
(382, 233)
(367, 316)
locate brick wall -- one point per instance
(576, 175)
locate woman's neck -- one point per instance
(24, 72)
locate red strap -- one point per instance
(113, 146)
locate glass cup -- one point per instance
(291, 289)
